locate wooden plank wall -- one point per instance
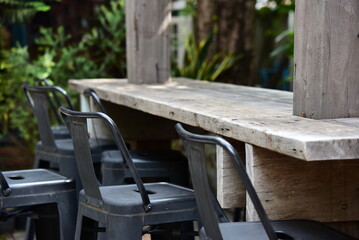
(147, 41)
(326, 74)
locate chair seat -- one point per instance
(164, 197)
(60, 132)
(36, 182)
(49, 196)
(297, 229)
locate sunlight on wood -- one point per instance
(146, 237)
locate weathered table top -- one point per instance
(261, 117)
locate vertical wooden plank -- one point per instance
(294, 189)
(147, 41)
(96, 127)
(230, 191)
(326, 59)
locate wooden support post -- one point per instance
(326, 74)
(325, 191)
(230, 190)
(147, 40)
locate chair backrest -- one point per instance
(76, 122)
(194, 146)
(91, 94)
(53, 101)
(38, 99)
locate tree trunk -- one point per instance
(236, 26)
(204, 20)
(236, 35)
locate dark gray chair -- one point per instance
(58, 154)
(34, 192)
(152, 165)
(219, 228)
(123, 209)
(59, 130)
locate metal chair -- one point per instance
(219, 228)
(59, 130)
(54, 153)
(33, 192)
(123, 209)
(160, 165)
(152, 166)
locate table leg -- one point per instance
(230, 191)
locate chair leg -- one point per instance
(29, 234)
(124, 228)
(69, 169)
(67, 207)
(79, 223)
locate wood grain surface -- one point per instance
(326, 83)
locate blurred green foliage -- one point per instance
(287, 47)
(200, 64)
(20, 10)
(107, 42)
(276, 42)
(99, 54)
(272, 15)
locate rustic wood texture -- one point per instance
(326, 59)
(322, 190)
(230, 190)
(261, 117)
(147, 41)
(326, 191)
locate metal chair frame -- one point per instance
(33, 191)
(123, 209)
(58, 153)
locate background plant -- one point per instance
(277, 42)
(21, 10)
(200, 64)
(107, 41)
(58, 57)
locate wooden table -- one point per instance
(301, 168)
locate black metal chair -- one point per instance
(123, 209)
(58, 154)
(219, 228)
(155, 165)
(59, 130)
(33, 193)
